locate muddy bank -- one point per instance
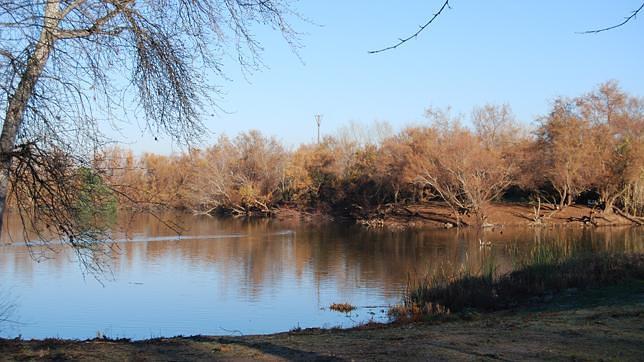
(438, 215)
(587, 325)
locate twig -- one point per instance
(422, 27)
(626, 20)
(232, 331)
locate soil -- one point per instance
(600, 324)
(437, 214)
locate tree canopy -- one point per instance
(69, 68)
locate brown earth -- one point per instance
(438, 215)
(507, 214)
(601, 324)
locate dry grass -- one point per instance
(342, 307)
(545, 272)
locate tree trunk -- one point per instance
(609, 203)
(608, 200)
(563, 195)
(18, 102)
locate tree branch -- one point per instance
(626, 20)
(97, 24)
(422, 27)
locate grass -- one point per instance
(342, 307)
(543, 273)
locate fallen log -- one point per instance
(632, 218)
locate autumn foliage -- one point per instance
(589, 146)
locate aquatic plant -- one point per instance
(342, 307)
(543, 272)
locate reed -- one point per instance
(545, 271)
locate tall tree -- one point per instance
(617, 121)
(68, 67)
(464, 169)
(564, 140)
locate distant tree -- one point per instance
(211, 176)
(564, 144)
(69, 67)
(463, 169)
(496, 126)
(243, 176)
(395, 158)
(617, 122)
(257, 172)
(588, 143)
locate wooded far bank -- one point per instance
(587, 149)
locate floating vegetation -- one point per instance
(342, 307)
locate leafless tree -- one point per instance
(496, 126)
(617, 121)
(564, 143)
(70, 67)
(461, 168)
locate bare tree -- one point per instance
(496, 125)
(564, 141)
(461, 168)
(69, 67)
(617, 121)
(245, 176)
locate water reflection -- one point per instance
(254, 276)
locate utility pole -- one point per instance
(318, 120)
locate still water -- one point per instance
(230, 276)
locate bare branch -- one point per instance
(96, 26)
(422, 27)
(626, 20)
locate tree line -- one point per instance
(587, 147)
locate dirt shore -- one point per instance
(600, 324)
(437, 214)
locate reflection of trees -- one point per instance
(259, 256)
(351, 257)
(7, 309)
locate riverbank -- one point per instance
(557, 307)
(439, 215)
(594, 324)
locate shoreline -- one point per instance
(604, 323)
(438, 215)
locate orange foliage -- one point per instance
(589, 143)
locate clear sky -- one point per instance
(523, 53)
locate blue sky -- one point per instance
(523, 53)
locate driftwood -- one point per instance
(439, 218)
(632, 218)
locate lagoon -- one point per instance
(236, 276)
